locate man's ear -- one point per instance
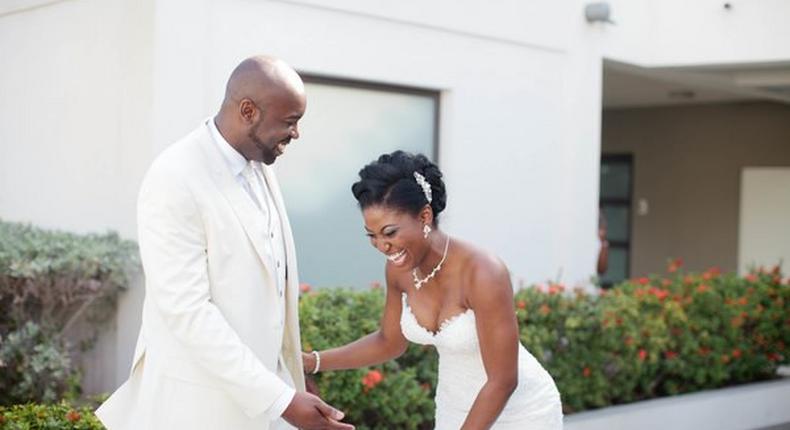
(248, 110)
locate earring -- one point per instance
(426, 230)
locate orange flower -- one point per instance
(586, 372)
(545, 309)
(371, 379)
(743, 301)
(304, 288)
(751, 277)
(702, 288)
(725, 358)
(73, 416)
(522, 304)
(642, 355)
(736, 322)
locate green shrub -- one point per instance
(62, 416)
(36, 366)
(398, 394)
(645, 338)
(49, 281)
(52, 277)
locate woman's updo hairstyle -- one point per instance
(390, 181)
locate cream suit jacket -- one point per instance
(212, 327)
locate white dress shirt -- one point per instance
(237, 164)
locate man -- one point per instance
(219, 346)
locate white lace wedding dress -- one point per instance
(534, 405)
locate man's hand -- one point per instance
(308, 412)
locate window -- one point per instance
(347, 125)
(615, 202)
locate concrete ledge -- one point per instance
(751, 406)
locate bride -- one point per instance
(447, 293)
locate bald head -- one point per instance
(259, 77)
(264, 100)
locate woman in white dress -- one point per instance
(447, 293)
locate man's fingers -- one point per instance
(329, 411)
(334, 425)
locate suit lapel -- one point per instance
(248, 214)
(291, 337)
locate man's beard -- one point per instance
(267, 154)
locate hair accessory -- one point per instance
(426, 187)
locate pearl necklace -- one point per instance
(418, 283)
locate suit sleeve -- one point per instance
(173, 251)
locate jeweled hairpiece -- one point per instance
(426, 187)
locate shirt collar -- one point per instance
(235, 161)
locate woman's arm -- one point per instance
(490, 294)
(382, 345)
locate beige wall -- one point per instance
(75, 123)
(687, 165)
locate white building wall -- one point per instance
(673, 33)
(74, 113)
(91, 90)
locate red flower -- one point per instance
(774, 356)
(556, 288)
(703, 351)
(586, 372)
(736, 353)
(73, 416)
(702, 288)
(522, 304)
(743, 301)
(643, 281)
(304, 288)
(669, 355)
(642, 355)
(659, 293)
(426, 386)
(666, 282)
(371, 379)
(711, 273)
(545, 309)
(674, 265)
(751, 277)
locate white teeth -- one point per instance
(394, 257)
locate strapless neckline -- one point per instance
(442, 326)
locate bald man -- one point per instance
(219, 346)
